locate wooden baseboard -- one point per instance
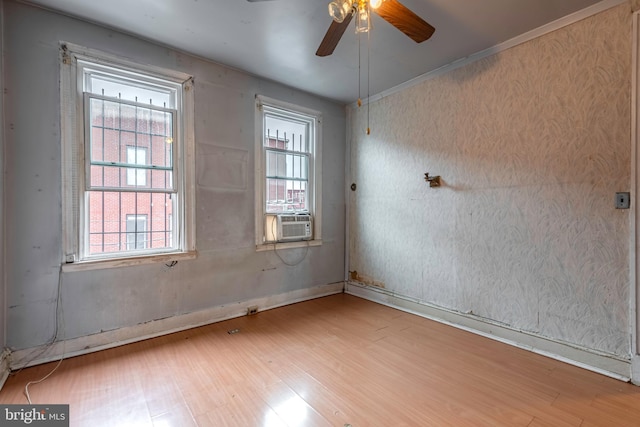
(585, 358)
(115, 338)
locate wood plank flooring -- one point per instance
(333, 361)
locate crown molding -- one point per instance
(523, 38)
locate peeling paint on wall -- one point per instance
(363, 279)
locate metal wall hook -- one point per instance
(434, 181)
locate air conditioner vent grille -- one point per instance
(294, 230)
(288, 227)
(295, 218)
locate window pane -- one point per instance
(136, 232)
(133, 221)
(137, 156)
(137, 126)
(286, 134)
(284, 195)
(127, 118)
(298, 195)
(135, 136)
(131, 178)
(285, 165)
(143, 118)
(297, 166)
(130, 91)
(275, 195)
(161, 150)
(105, 144)
(161, 179)
(106, 177)
(276, 164)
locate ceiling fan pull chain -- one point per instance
(368, 78)
(359, 70)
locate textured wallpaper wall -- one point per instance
(532, 144)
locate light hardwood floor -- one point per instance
(333, 361)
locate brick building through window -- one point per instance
(285, 194)
(131, 149)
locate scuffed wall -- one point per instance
(532, 144)
(228, 268)
(2, 174)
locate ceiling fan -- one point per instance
(392, 11)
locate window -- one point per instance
(128, 142)
(287, 165)
(288, 170)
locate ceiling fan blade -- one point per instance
(333, 36)
(405, 20)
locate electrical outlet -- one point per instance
(622, 200)
(252, 310)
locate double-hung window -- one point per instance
(289, 167)
(128, 149)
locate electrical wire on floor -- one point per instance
(59, 318)
(26, 387)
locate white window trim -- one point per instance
(315, 175)
(72, 138)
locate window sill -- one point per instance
(127, 262)
(287, 245)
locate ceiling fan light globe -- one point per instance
(337, 12)
(375, 3)
(340, 9)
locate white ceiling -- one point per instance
(278, 39)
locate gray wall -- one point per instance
(532, 144)
(2, 175)
(228, 268)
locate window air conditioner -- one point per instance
(287, 227)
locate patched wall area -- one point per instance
(532, 144)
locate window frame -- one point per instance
(75, 161)
(265, 105)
